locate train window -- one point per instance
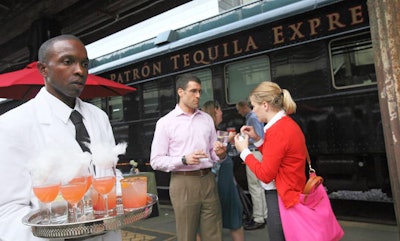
(206, 85)
(150, 99)
(352, 61)
(115, 108)
(242, 77)
(111, 105)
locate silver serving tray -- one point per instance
(92, 227)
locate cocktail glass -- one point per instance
(232, 151)
(223, 137)
(46, 193)
(98, 203)
(86, 202)
(134, 192)
(103, 182)
(73, 192)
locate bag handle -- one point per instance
(313, 181)
(311, 170)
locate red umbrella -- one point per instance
(25, 84)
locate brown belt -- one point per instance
(198, 173)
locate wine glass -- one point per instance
(223, 137)
(46, 192)
(73, 191)
(103, 182)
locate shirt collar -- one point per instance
(59, 108)
(178, 111)
(274, 119)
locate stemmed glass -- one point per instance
(46, 192)
(103, 182)
(223, 137)
(86, 206)
(73, 191)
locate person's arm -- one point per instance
(160, 159)
(16, 199)
(267, 169)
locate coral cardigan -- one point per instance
(284, 157)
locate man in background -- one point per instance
(256, 191)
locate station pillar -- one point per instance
(384, 21)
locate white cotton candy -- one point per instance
(105, 155)
(57, 165)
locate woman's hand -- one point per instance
(220, 150)
(249, 131)
(241, 142)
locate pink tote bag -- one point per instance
(312, 219)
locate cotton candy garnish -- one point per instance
(57, 166)
(106, 155)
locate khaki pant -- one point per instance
(257, 193)
(196, 207)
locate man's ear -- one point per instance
(42, 67)
(180, 91)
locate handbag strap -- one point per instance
(313, 181)
(310, 169)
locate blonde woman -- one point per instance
(283, 151)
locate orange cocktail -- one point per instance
(103, 182)
(134, 192)
(98, 202)
(74, 190)
(88, 183)
(104, 185)
(46, 194)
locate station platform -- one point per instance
(162, 228)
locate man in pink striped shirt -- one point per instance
(185, 144)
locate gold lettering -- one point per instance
(226, 52)
(136, 75)
(251, 44)
(314, 24)
(126, 73)
(296, 31)
(175, 61)
(210, 53)
(145, 70)
(198, 57)
(278, 35)
(334, 21)
(186, 60)
(120, 79)
(112, 76)
(356, 15)
(236, 49)
(157, 68)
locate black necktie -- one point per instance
(82, 136)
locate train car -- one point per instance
(320, 50)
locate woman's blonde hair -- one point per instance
(277, 98)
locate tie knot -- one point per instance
(76, 117)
